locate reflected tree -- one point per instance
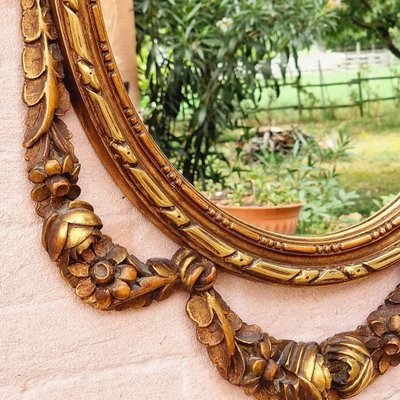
(205, 64)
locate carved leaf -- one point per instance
(238, 367)
(262, 393)
(74, 4)
(89, 76)
(31, 27)
(64, 101)
(210, 335)
(33, 61)
(34, 90)
(168, 288)
(219, 356)
(60, 136)
(249, 334)
(26, 4)
(394, 298)
(306, 375)
(199, 311)
(38, 153)
(50, 29)
(41, 86)
(217, 305)
(48, 105)
(34, 121)
(234, 320)
(57, 58)
(162, 267)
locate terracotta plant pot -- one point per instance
(279, 219)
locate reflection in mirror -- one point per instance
(119, 19)
(284, 114)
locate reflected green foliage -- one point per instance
(205, 63)
(305, 171)
(367, 21)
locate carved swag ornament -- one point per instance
(107, 277)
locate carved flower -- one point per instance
(385, 324)
(74, 227)
(54, 178)
(350, 363)
(106, 276)
(385, 345)
(391, 349)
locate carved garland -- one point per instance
(107, 277)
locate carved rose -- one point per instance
(73, 228)
(350, 362)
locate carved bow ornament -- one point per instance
(107, 277)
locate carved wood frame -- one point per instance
(150, 181)
(107, 277)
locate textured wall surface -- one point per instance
(52, 346)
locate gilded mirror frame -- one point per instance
(150, 181)
(107, 277)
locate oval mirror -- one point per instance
(292, 131)
(213, 81)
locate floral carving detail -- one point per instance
(73, 228)
(351, 363)
(103, 274)
(385, 325)
(55, 178)
(107, 274)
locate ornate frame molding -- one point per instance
(171, 203)
(107, 277)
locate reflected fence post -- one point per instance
(360, 94)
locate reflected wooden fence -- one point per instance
(361, 98)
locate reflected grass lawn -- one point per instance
(374, 166)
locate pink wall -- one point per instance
(52, 346)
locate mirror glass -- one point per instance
(283, 113)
